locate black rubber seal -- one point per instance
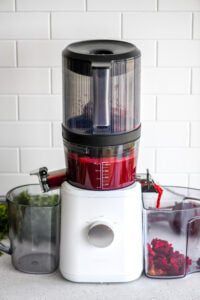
(101, 140)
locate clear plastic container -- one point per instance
(34, 229)
(172, 233)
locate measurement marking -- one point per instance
(105, 174)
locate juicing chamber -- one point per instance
(101, 113)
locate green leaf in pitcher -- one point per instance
(24, 198)
(3, 221)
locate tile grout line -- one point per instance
(156, 54)
(17, 112)
(190, 134)
(86, 5)
(155, 160)
(51, 92)
(121, 25)
(19, 160)
(152, 10)
(51, 135)
(2, 39)
(191, 75)
(51, 81)
(156, 109)
(16, 54)
(17, 65)
(157, 5)
(156, 102)
(192, 33)
(188, 179)
(50, 26)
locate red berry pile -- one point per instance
(164, 261)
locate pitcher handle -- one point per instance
(4, 248)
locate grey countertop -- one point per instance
(15, 285)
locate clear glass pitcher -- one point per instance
(34, 227)
(172, 233)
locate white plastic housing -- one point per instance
(120, 213)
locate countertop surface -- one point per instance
(15, 285)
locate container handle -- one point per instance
(101, 96)
(5, 249)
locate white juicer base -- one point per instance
(121, 212)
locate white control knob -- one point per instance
(100, 234)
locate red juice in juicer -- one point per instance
(101, 115)
(102, 173)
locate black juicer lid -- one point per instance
(82, 54)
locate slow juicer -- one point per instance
(101, 211)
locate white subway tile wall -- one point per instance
(31, 158)
(50, 5)
(8, 107)
(7, 54)
(24, 81)
(57, 134)
(166, 81)
(178, 107)
(9, 161)
(195, 134)
(165, 134)
(27, 134)
(40, 108)
(196, 81)
(179, 5)
(41, 53)
(157, 25)
(17, 25)
(196, 30)
(56, 80)
(7, 5)
(179, 53)
(148, 107)
(174, 160)
(32, 35)
(85, 25)
(118, 5)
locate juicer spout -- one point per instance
(50, 180)
(149, 186)
(42, 177)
